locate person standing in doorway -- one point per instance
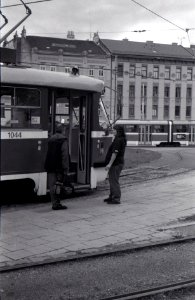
(115, 163)
(57, 164)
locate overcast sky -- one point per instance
(113, 19)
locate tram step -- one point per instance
(80, 187)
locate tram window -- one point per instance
(159, 128)
(21, 108)
(27, 97)
(181, 128)
(131, 128)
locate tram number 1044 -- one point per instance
(14, 134)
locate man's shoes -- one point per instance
(59, 206)
(113, 202)
(107, 199)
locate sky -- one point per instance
(112, 19)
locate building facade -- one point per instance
(150, 81)
(143, 81)
(60, 55)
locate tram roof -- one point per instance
(34, 77)
(141, 122)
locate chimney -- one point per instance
(70, 35)
(23, 33)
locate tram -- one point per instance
(33, 102)
(159, 133)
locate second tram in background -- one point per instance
(159, 133)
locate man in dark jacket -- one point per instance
(57, 164)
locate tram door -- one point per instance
(71, 109)
(192, 135)
(144, 134)
(79, 136)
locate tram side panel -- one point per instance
(23, 148)
(100, 143)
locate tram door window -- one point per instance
(192, 134)
(144, 134)
(58, 110)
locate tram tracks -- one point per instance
(154, 291)
(129, 177)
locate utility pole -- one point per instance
(142, 102)
(115, 85)
(142, 129)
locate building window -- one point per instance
(119, 99)
(166, 111)
(167, 72)
(144, 71)
(178, 73)
(188, 111)
(189, 74)
(154, 111)
(178, 92)
(155, 91)
(43, 67)
(53, 68)
(132, 91)
(167, 91)
(67, 70)
(177, 111)
(101, 73)
(189, 93)
(156, 72)
(131, 110)
(120, 70)
(144, 91)
(132, 71)
(91, 72)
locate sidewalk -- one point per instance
(35, 233)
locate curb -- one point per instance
(95, 254)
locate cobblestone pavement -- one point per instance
(150, 212)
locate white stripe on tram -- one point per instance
(23, 134)
(99, 134)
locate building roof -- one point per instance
(67, 45)
(149, 48)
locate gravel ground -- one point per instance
(136, 156)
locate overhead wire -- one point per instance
(110, 32)
(31, 2)
(158, 15)
(186, 30)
